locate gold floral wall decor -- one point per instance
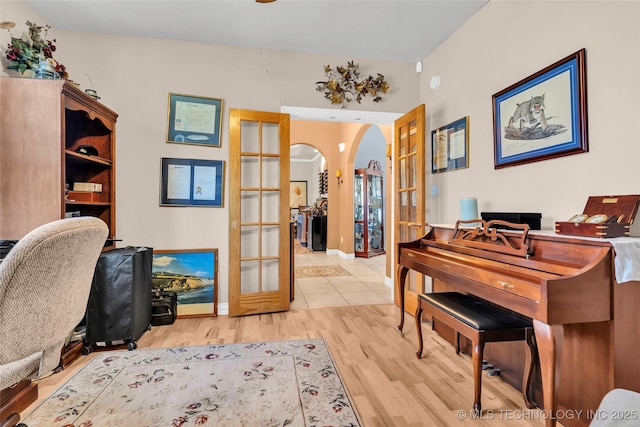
(343, 85)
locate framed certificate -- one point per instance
(189, 182)
(194, 120)
(450, 146)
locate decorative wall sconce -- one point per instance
(389, 151)
(339, 176)
(341, 147)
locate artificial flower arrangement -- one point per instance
(343, 84)
(32, 51)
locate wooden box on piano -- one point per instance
(603, 216)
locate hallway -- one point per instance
(358, 281)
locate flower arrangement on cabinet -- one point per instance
(33, 51)
(343, 85)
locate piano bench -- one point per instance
(480, 322)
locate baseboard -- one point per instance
(342, 255)
(223, 308)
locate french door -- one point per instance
(259, 263)
(409, 168)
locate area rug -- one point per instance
(321, 271)
(280, 383)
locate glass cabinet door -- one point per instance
(374, 223)
(368, 210)
(358, 211)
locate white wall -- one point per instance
(134, 75)
(507, 41)
(503, 43)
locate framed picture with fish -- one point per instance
(194, 120)
(193, 275)
(543, 116)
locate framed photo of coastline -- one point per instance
(192, 182)
(543, 116)
(450, 146)
(194, 120)
(193, 275)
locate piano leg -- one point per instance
(547, 350)
(476, 358)
(401, 279)
(419, 329)
(531, 358)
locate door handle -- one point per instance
(414, 224)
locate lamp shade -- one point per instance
(468, 208)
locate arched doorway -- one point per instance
(308, 195)
(372, 147)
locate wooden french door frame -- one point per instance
(259, 219)
(409, 185)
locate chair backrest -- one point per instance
(44, 287)
(618, 408)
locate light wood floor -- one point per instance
(387, 383)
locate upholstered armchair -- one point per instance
(618, 408)
(44, 287)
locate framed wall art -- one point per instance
(542, 116)
(190, 182)
(193, 275)
(194, 120)
(297, 194)
(450, 146)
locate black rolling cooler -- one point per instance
(119, 306)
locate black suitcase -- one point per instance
(119, 306)
(164, 307)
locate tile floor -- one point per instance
(365, 285)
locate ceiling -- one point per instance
(397, 30)
(304, 153)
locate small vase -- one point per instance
(46, 71)
(30, 74)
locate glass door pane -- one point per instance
(259, 215)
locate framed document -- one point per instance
(450, 146)
(194, 120)
(189, 182)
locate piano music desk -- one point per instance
(587, 326)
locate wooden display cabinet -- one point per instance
(43, 124)
(368, 210)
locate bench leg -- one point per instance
(530, 362)
(418, 317)
(457, 342)
(478, 350)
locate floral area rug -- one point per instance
(321, 271)
(280, 383)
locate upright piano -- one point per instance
(587, 326)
